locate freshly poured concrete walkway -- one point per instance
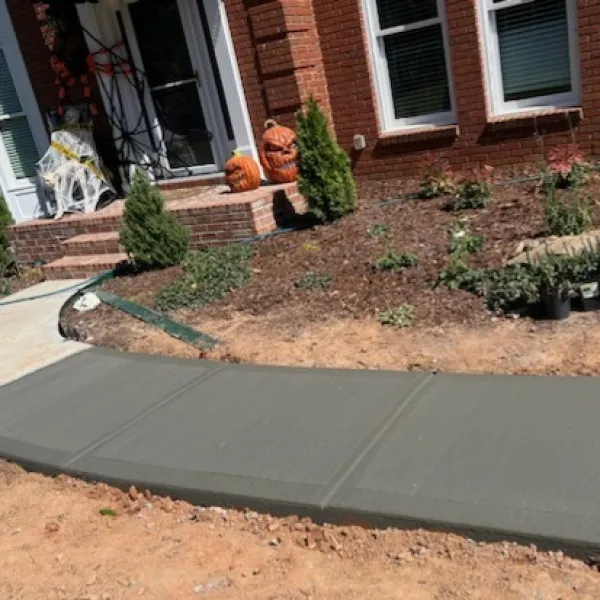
(514, 457)
(29, 337)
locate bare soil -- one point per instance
(56, 545)
(514, 346)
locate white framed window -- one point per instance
(409, 51)
(531, 52)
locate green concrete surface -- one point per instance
(493, 456)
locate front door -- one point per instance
(181, 83)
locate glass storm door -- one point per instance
(187, 125)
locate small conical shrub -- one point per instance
(5, 221)
(326, 179)
(152, 238)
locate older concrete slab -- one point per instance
(70, 406)
(509, 454)
(29, 337)
(281, 435)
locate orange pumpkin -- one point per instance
(242, 173)
(279, 153)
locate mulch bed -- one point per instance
(26, 278)
(345, 251)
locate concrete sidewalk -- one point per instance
(29, 337)
(509, 457)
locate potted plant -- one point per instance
(585, 269)
(556, 288)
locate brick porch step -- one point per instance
(86, 244)
(80, 267)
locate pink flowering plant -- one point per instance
(566, 166)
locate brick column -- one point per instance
(588, 13)
(279, 56)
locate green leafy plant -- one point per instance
(314, 281)
(208, 275)
(459, 276)
(325, 178)
(393, 261)
(462, 241)
(107, 512)
(151, 237)
(403, 316)
(378, 231)
(5, 287)
(5, 220)
(567, 217)
(555, 272)
(584, 266)
(474, 191)
(510, 287)
(6, 257)
(437, 179)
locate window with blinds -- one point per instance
(531, 47)
(16, 140)
(409, 44)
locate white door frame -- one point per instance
(20, 194)
(99, 19)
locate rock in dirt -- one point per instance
(532, 250)
(87, 302)
(52, 527)
(213, 585)
(133, 493)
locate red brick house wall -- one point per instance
(288, 49)
(480, 139)
(279, 56)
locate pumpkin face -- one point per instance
(279, 153)
(242, 173)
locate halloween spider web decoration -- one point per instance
(140, 143)
(71, 169)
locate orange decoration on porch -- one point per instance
(279, 153)
(242, 173)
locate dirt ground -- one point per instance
(56, 545)
(516, 346)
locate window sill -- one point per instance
(530, 119)
(410, 136)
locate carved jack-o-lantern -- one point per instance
(242, 173)
(279, 153)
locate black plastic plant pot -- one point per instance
(556, 303)
(589, 296)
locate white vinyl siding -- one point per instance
(409, 49)
(531, 50)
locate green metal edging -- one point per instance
(164, 323)
(171, 327)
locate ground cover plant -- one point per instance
(208, 275)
